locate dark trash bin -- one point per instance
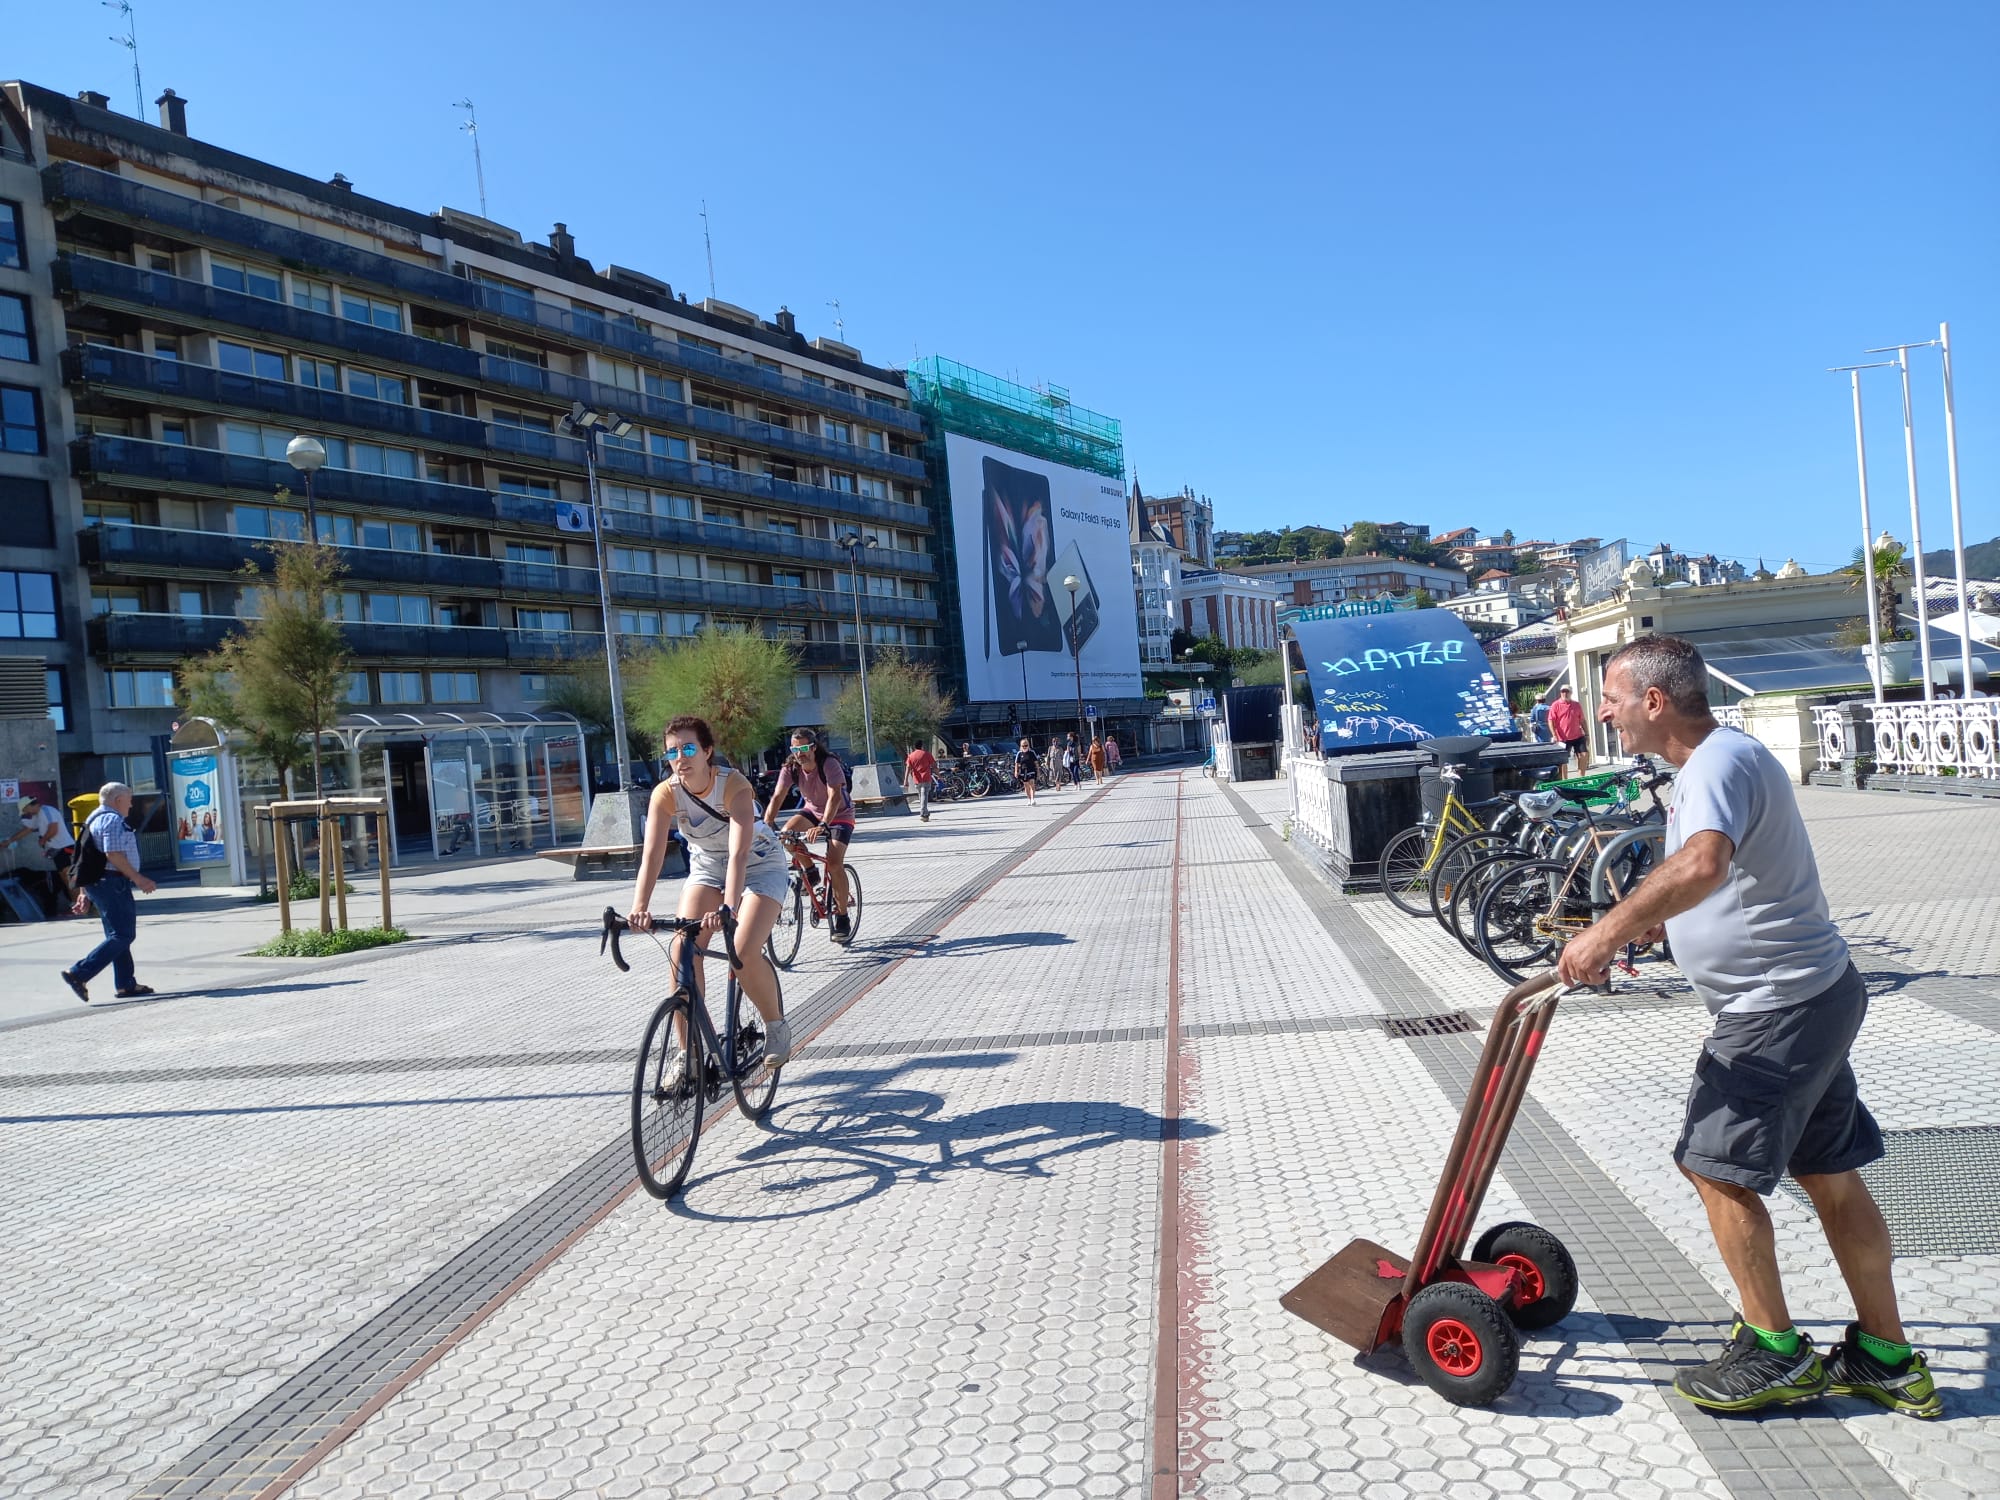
(1463, 751)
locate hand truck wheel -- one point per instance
(1548, 1275)
(1460, 1343)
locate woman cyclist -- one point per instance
(822, 784)
(735, 864)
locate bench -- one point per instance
(614, 860)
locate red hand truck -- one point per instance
(1457, 1315)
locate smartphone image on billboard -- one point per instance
(1079, 620)
(1020, 540)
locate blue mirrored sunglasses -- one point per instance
(684, 752)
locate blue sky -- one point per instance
(1569, 268)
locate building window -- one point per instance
(399, 687)
(357, 688)
(520, 484)
(58, 695)
(241, 359)
(359, 309)
(12, 252)
(141, 689)
(321, 374)
(269, 522)
(728, 570)
(805, 685)
(313, 296)
(689, 341)
(531, 552)
(454, 687)
(664, 386)
(526, 421)
(518, 354)
(674, 622)
(874, 489)
(638, 622)
(28, 606)
(664, 445)
(20, 420)
(241, 276)
(783, 528)
(373, 387)
(265, 442)
(17, 339)
(722, 515)
(27, 512)
(787, 580)
(535, 687)
(840, 432)
(399, 609)
(541, 619)
(840, 483)
(394, 536)
(136, 771)
(368, 458)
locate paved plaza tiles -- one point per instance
(1102, 1077)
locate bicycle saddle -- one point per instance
(1539, 806)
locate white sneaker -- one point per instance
(777, 1042)
(676, 1070)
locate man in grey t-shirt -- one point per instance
(1739, 897)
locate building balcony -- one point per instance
(176, 381)
(175, 466)
(171, 637)
(90, 279)
(426, 642)
(553, 579)
(71, 185)
(530, 647)
(714, 479)
(161, 551)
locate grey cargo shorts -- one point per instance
(1773, 1093)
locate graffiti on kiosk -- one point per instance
(1380, 726)
(1334, 701)
(1419, 654)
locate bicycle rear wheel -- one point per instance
(853, 904)
(666, 1109)
(1463, 911)
(1404, 872)
(743, 1052)
(1459, 856)
(1516, 925)
(782, 946)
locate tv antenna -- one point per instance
(708, 245)
(130, 41)
(471, 128)
(839, 326)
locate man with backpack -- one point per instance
(108, 872)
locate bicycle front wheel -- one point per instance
(1404, 872)
(667, 1098)
(1463, 911)
(743, 1052)
(782, 946)
(1458, 858)
(978, 784)
(1519, 917)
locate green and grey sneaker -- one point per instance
(1907, 1388)
(1749, 1377)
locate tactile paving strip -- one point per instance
(247, 1455)
(1937, 1190)
(1666, 1307)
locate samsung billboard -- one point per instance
(1022, 526)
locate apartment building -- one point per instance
(1309, 584)
(1238, 611)
(173, 314)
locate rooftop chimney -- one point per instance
(339, 180)
(562, 242)
(787, 324)
(94, 99)
(173, 112)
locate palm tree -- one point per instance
(1888, 568)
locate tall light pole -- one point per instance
(1902, 353)
(1073, 583)
(307, 455)
(471, 128)
(1021, 650)
(1957, 520)
(1868, 546)
(854, 541)
(587, 422)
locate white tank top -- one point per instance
(711, 834)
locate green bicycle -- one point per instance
(1414, 857)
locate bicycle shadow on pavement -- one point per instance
(857, 1133)
(923, 945)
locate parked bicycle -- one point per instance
(810, 900)
(684, 1063)
(1413, 857)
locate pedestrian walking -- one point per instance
(1538, 719)
(1566, 724)
(51, 834)
(922, 766)
(1111, 755)
(1739, 897)
(108, 871)
(1055, 761)
(1098, 762)
(1072, 766)
(1026, 770)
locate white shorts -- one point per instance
(765, 875)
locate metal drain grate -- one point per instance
(1445, 1025)
(1937, 1189)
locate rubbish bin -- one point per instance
(1463, 751)
(80, 809)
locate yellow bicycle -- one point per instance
(1412, 857)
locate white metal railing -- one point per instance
(1957, 737)
(1831, 731)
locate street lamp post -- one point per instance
(307, 454)
(1868, 546)
(587, 422)
(1073, 583)
(1021, 650)
(854, 541)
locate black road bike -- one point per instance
(684, 1064)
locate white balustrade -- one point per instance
(1832, 732)
(1312, 801)
(1950, 737)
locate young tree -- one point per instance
(282, 679)
(1424, 600)
(1364, 536)
(904, 701)
(740, 682)
(586, 696)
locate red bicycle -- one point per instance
(810, 900)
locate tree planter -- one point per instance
(1899, 662)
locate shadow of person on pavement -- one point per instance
(853, 1133)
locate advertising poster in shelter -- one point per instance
(199, 836)
(1022, 526)
(1396, 679)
